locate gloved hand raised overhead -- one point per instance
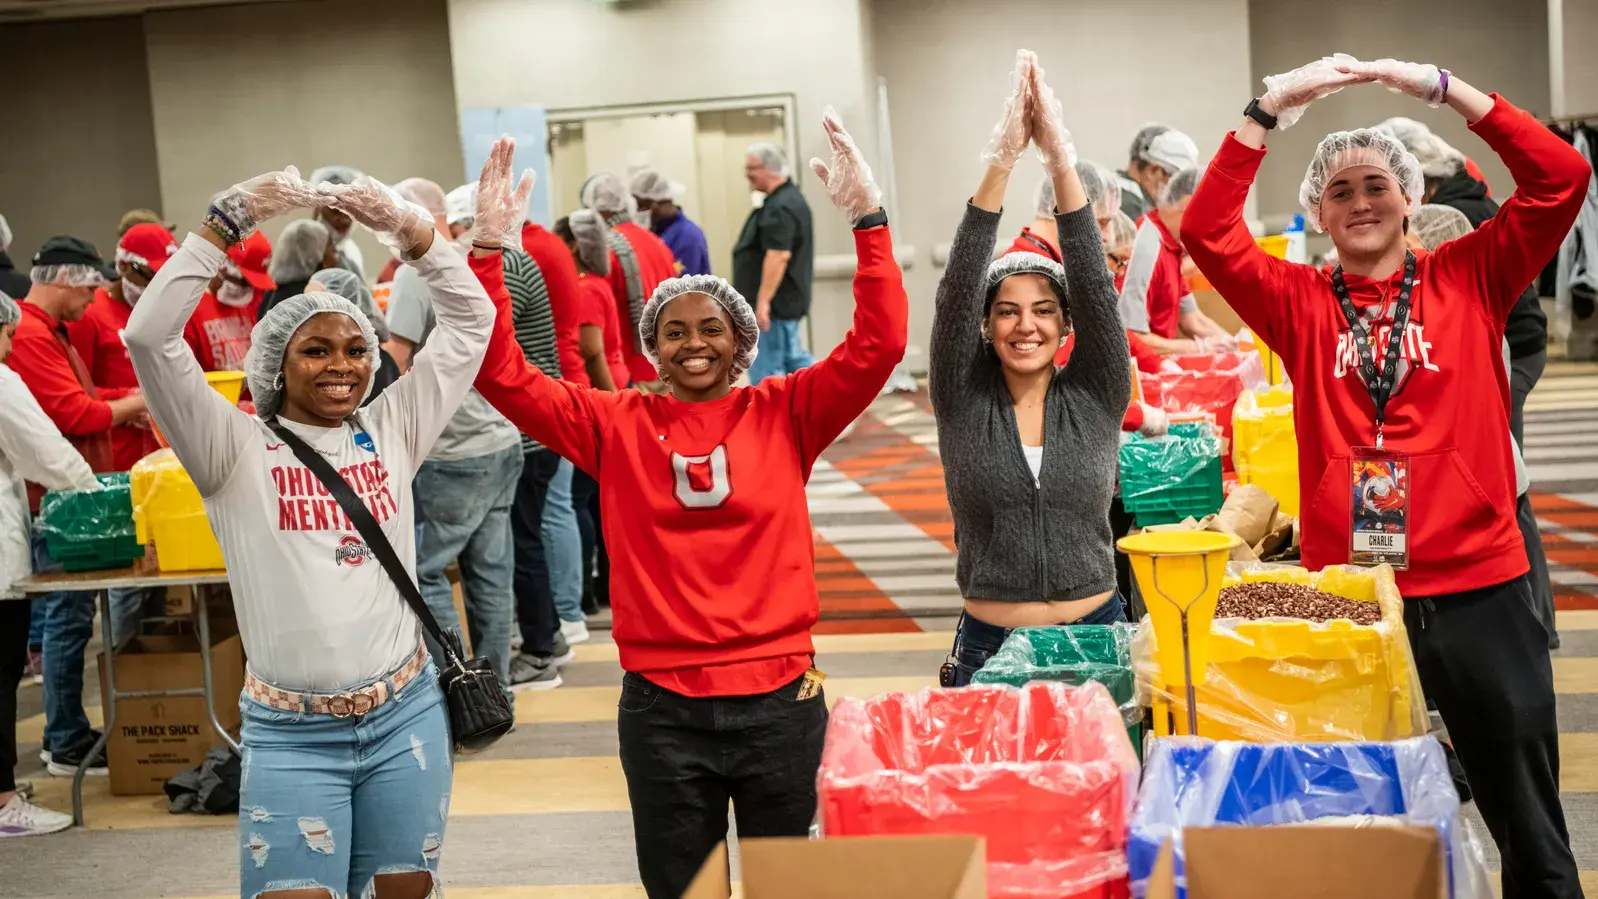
(1014, 131)
(1290, 92)
(1053, 141)
(397, 223)
(249, 203)
(501, 208)
(1422, 81)
(848, 178)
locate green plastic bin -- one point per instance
(91, 530)
(1166, 479)
(1073, 654)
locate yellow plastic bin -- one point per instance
(1282, 680)
(1264, 445)
(228, 383)
(168, 513)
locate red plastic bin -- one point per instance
(1207, 383)
(1045, 773)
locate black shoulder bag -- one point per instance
(479, 713)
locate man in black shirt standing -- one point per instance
(773, 262)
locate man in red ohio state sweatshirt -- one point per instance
(1481, 653)
(702, 492)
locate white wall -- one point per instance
(947, 62)
(1576, 66)
(577, 53)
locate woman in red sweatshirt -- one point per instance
(1433, 396)
(704, 513)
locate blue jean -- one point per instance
(976, 641)
(332, 803)
(68, 625)
(563, 545)
(781, 351)
(467, 504)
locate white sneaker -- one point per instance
(24, 819)
(574, 631)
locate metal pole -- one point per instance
(202, 615)
(1187, 672)
(108, 704)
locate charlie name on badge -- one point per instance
(1380, 526)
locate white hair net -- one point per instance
(1434, 224)
(335, 174)
(1144, 137)
(1172, 150)
(270, 341)
(68, 276)
(460, 204)
(605, 192)
(350, 286)
(5, 234)
(10, 312)
(1098, 182)
(1120, 234)
(1408, 131)
(771, 156)
(1180, 186)
(593, 240)
(424, 193)
(738, 309)
(1025, 264)
(1365, 146)
(651, 184)
(298, 251)
(1437, 158)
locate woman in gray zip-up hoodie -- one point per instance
(1029, 452)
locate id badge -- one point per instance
(1381, 494)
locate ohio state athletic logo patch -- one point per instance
(701, 482)
(350, 551)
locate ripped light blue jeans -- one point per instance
(332, 803)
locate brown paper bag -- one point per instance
(1249, 513)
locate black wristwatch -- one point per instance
(872, 220)
(1253, 111)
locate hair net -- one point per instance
(67, 276)
(738, 309)
(424, 193)
(1144, 137)
(1025, 264)
(5, 234)
(1120, 234)
(1366, 146)
(592, 237)
(1408, 131)
(1436, 157)
(335, 174)
(605, 192)
(298, 252)
(771, 156)
(1046, 201)
(1180, 186)
(10, 312)
(350, 286)
(270, 341)
(460, 204)
(651, 184)
(1434, 224)
(1102, 188)
(1172, 150)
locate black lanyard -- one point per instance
(1380, 388)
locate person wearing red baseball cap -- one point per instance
(219, 329)
(98, 335)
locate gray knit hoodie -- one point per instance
(1018, 542)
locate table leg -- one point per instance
(108, 704)
(203, 620)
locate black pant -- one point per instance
(1121, 522)
(601, 558)
(1483, 658)
(535, 603)
(584, 489)
(685, 758)
(14, 614)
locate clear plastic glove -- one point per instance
(249, 203)
(1014, 131)
(1421, 81)
(398, 224)
(1216, 343)
(1049, 134)
(1155, 421)
(848, 179)
(1290, 92)
(501, 207)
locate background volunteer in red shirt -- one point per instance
(219, 330)
(97, 337)
(1481, 652)
(1156, 302)
(713, 586)
(639, 262)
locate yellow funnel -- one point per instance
(1180, 574)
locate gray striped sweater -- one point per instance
(533, 319)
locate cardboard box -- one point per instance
(179, 601)
(157, 737)
(951, 867)
(1305, 862)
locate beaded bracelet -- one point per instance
(223, 228)
(1443, 83)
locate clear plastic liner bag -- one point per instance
(87, 530)
(1273, 680)
(1209, 382)
(169, 513)
(1073, 654)
(1265, 444)
(1192, 782)
(1044, 773)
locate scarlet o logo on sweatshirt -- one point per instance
(701, 481)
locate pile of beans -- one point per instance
(1267, 599)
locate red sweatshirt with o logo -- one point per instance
(713, 583)
(1450, 404)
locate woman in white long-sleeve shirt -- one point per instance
(31, 449)
(346, 752)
